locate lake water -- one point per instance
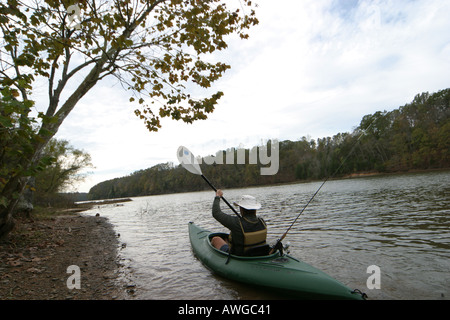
(400, 223)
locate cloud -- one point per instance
(309, 68)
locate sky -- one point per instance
(310, 68)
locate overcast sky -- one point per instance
(310, 68)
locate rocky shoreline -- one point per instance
(39, 260)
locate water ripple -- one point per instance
(400, 223)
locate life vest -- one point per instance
(255, 232)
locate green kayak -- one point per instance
(277, 271)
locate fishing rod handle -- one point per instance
(274, 248)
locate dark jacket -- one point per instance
(250, 223)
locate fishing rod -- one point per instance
(278, 243)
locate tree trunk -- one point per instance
(25, 206)
(11, 191)
(14, 188)
(6, 226)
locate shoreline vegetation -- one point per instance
(84, 205)
(413, 137)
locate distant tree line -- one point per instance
(415, 136)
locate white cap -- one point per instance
(248, 202)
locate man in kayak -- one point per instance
(246, 232)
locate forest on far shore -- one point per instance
(415, 136)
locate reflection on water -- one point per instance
(399, 223)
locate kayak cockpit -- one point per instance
(258, 251)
